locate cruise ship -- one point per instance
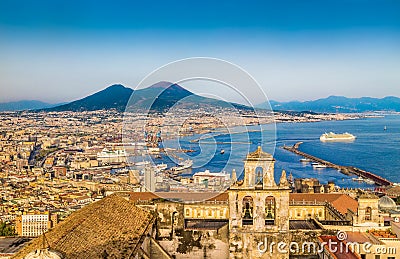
(337, 137)
(105, 153)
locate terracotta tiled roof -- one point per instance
(112, 226)
(223, 196)
(360, 238)
(142, 196)
(341, 202)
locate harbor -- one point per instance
(347, 170)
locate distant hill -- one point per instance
(157, 98)
(341, 104)
(113, 97)
(24, 105)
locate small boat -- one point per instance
(153, 150)
(182, 166)
(369, 181)
(358, 179)
(385, 128)
(161, 166)
(222, 152)
(319, 166)
(314, 163)
(305, 160)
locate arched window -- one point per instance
(368, 213)
(270, 210)
(247, 213)
(259, 176)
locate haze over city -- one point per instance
(295, 50)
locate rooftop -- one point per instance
(10, 245)
(360, 238)
(179, 196)
(337, 253)
(303, 224)
(341, 202)
(112, 226)
(386, 203)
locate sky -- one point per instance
(58, 51)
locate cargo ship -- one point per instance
(337, 137)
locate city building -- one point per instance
(149, 179)
(33, 224)
(207, 178)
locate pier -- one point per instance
(348, 170)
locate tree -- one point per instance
(6, 230)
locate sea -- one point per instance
(376, 149)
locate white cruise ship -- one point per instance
(337, 137)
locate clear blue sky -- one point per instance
(58, 51)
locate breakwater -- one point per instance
(348, 170)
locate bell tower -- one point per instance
(259, 170)
(259, 209)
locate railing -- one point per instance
(335, 222)
(335, 211)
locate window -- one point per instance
(247, 213)
(270, 210)
(368, 213)
(259, 176)
(377, 257)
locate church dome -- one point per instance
(386, 203)
(43, 254)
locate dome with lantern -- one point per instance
(386, 204)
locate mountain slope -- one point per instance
(24, 105)
(113, 97)
(164, 95)
(343, 104)
(156, 98)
